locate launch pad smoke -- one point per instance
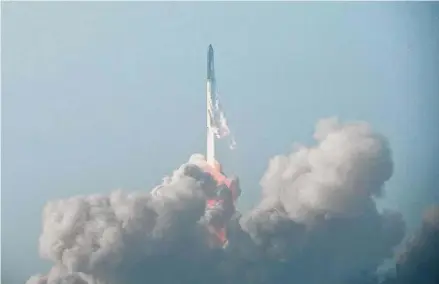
(316, 222)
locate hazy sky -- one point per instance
(99, 96)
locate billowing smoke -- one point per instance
(317, 222)
(419, 261)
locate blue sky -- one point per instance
(100, 96)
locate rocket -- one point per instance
(210, 99)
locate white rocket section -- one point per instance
(210, 146)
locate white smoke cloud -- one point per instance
(337, 177)
(329, 189)
(89, 234)
(59, 274)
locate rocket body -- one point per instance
(217, 127)
(210, 93)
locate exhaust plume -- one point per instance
(317, 222)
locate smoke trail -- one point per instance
(317, 222)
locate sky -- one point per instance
(101, 96)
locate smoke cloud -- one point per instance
(419, 261)
(317, 222)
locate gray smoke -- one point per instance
(419, 260)
(317, 222)
(329, 190)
